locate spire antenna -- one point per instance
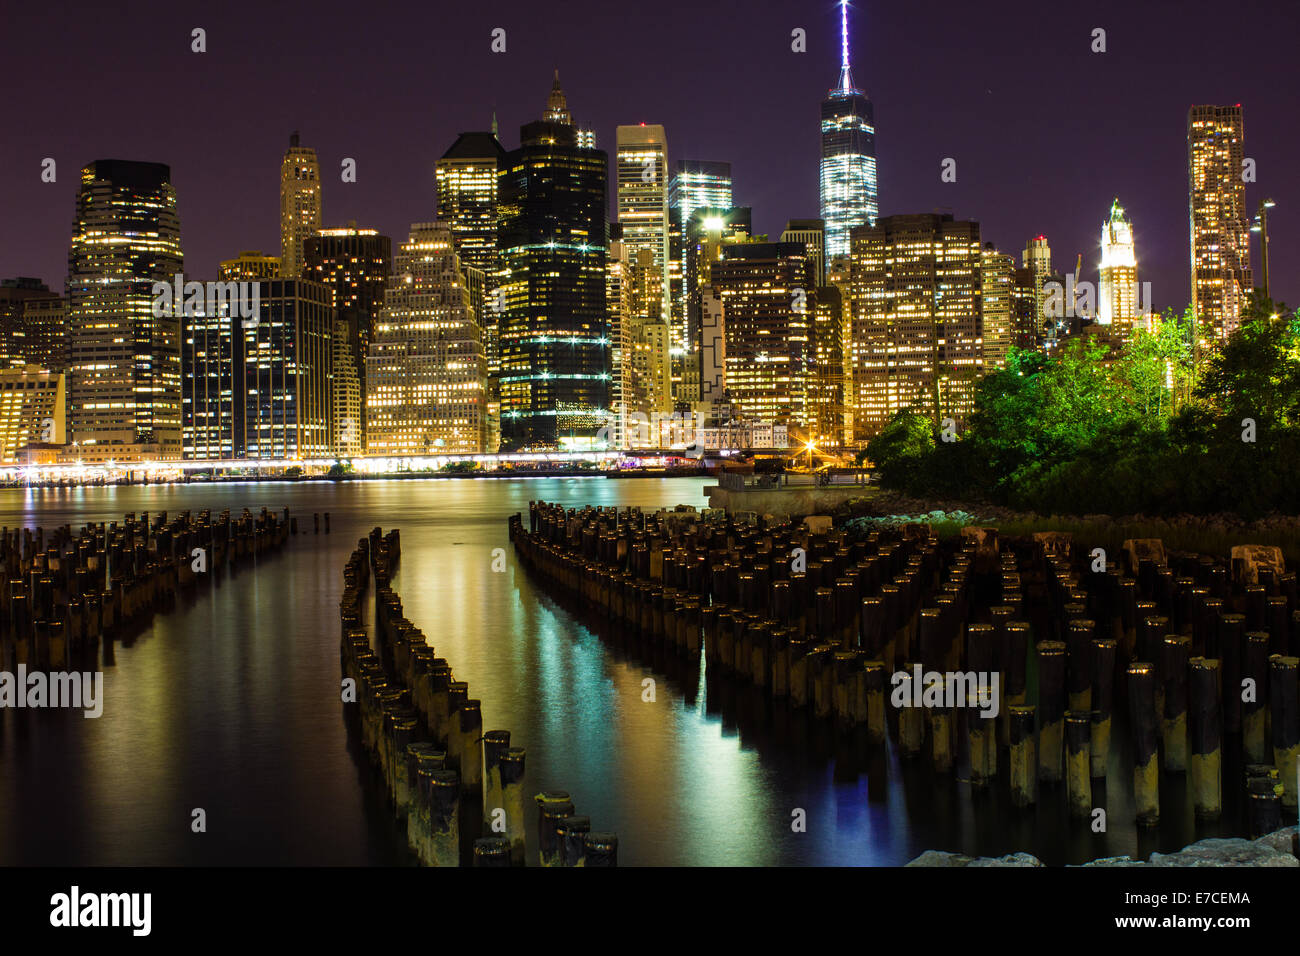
(846, 77)
(844, 35)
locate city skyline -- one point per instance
(1070, 188)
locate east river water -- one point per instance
(230, 702)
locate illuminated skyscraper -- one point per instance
(124, 360)
(1037, 260)
(696, 184)
(829, 417)
(249, 266)
(33, 423)
(426, 378)
(259, 387)
(355, 263)
(812, 233)
(642, 193)
(467, 196)
(641, 383)
(33, 325)
(848, 166)
(346, 411)
(300, 205)
(770, 354)
(555, 361)
(997, 279)
(704, 235)
(212, 373)
(917, 318)
(467, 177)
(1220, 235)
(286, 358)
(1117, 288)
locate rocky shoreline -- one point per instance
(891, 505)
(1279, 848)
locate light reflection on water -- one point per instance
(231, 703)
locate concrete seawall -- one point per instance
(785, 502)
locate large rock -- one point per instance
(1220, 852)
(1283, 841)
(1137, 550)
(1249, 559)
(818, 524)
(916, 531)
(985, 541)
(1115, 861)
(1055, 544)
(940, 858)
(1011, 859)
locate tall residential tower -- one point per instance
(1220, 236)
(300, 205)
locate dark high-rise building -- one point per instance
(33, 325)
(212, 370)
(260, 387)
(554, 336)
(355, 264)
(124, 352)
(770, 357)
(848, 166)
(287, 356)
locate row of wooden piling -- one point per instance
(64, 591)
(827, 621)
(459, 789)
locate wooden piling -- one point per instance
(1142, 727)
(1205, 732)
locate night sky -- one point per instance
(1045, 132)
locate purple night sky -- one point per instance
(1045, 132)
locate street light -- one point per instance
(1261, 227)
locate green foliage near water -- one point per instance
(1163, 426)
(459, 468)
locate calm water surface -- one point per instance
(230, 703)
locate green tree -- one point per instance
(898, 451)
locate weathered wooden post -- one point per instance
(1051, 709)
(1103, 682)
(1024, 762)
(1078, 763)
(1282, 694)
(1142, 721)
(552, 806)
(1206, 732)
(1177, 652)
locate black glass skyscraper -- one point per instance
(554, 340)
